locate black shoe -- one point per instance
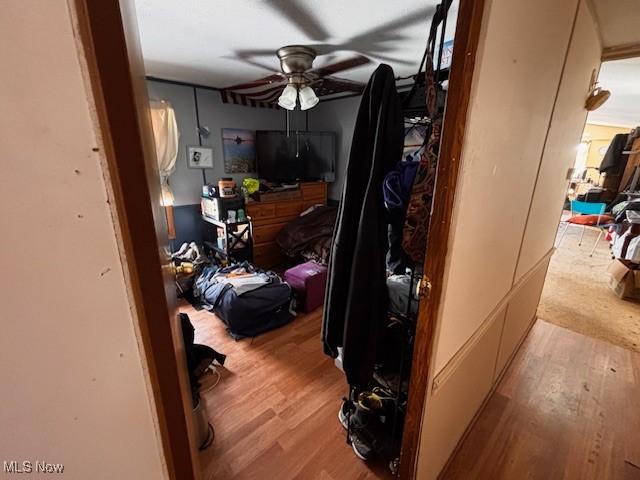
(361, 447)
(377, 401)
(343, 414)
(355, 419)
(353, 414)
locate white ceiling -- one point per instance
(622, 78)
(619, 21)
(202, 42)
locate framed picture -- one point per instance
(239, 148)
(199, 157)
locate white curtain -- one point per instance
(165, 132)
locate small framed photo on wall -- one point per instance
(199, 157)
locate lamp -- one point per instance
(597, 97)
(308, 98)
(166, 199)
(289, 97)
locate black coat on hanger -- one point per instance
(356, 300)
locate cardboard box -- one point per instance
(625, 279)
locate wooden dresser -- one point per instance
(268, 218)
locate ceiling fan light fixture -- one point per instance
(308, 98)
(289, 97)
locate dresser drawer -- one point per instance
(266, 233)
(259, 211)
(288, 209)
(267, 255)
(316, 200)
(312, 190)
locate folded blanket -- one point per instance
(309, 235)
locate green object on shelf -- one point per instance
(251, 185)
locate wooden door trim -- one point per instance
(130, 158)
(620, 52)
(467, 38)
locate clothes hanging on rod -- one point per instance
(416, 223)
(356, 299)
(376, 341)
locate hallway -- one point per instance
(577, 296)
(568, 407)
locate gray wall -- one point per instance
(337, 116)
(185, 182)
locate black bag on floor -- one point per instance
(254, 312)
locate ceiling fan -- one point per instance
(297, 81)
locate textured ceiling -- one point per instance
(622, 78)
(213, 42)
(619, 21)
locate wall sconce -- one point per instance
(597, 95)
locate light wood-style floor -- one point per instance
(567, 408)
(275, 408)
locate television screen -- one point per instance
(297, 157)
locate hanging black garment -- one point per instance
(613, 161)
(356, 301)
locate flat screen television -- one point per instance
(299, 156)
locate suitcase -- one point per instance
(308, 281)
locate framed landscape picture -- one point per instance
(199, 157)
(239, 148)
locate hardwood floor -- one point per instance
(275, 408)
(567, 408)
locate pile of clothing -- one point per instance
(250, 301)
(188, 260)
(309, 235)
(190, 252)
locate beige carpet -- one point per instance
(576, 294)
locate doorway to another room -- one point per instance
(260, 174)
(593, 282)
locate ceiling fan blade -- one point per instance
(254, 63)
(258, 52)
(250, 61)
(411, 18)
(396, 60)
(271, 79)
(340, 66)
(331, 85)
(301, 17)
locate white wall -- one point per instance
(567, 124)
(72, 372)
(508, 201)
(515, 83)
